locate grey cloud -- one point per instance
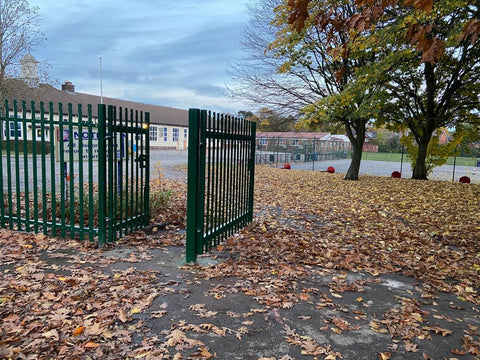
(170, 46)
(209, 90)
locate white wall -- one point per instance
(168, 136)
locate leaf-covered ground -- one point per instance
(426, 229)
(376, 269)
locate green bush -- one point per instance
(30, 145)
(159, 199)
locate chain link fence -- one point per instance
(280, 150)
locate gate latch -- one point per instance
(142, 160)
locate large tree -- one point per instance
(270, 120)
(19, 33)
(256, 77)
(430, 88)
(297, 70)
(428, 60)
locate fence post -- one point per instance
(147, 170)
(3, 115)
(102, 198)
(110, 223)
(194, 228)
(251, 167)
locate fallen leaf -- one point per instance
(175, 337)
(51, 334)
(79, 331)
(91, 344)
(135, 311)
(410, 347)
(205, 353)
(122, 316)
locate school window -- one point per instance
(153, 133)
(263, 141)
(185, 134)
(295, 142)
(42, 133)
(165, 134)
(175, 134)
(12, 130)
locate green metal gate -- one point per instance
(124, 173)
(221, 166)
(76, 173)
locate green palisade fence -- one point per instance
(221, 167)
(66, 172)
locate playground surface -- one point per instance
(355, 270)
(171, 160)
(385, 168)
(141, 301)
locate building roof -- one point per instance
(159, 115)
(336, 137)
(292, 135)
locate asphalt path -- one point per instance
(171, 163)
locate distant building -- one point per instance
(304, 146)
(443, 137)
(168, 126)
(291, 141)
(369, 148)
(300, 146)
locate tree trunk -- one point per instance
(356, 134)
(354, 169)
(420, 169)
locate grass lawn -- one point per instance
(460, 161)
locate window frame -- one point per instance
(153, 133)
(175, 134)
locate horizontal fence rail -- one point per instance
(221, 166)
(60, 174)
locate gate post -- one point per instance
(102, 179)
(196, 184)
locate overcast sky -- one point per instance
(165, 52)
